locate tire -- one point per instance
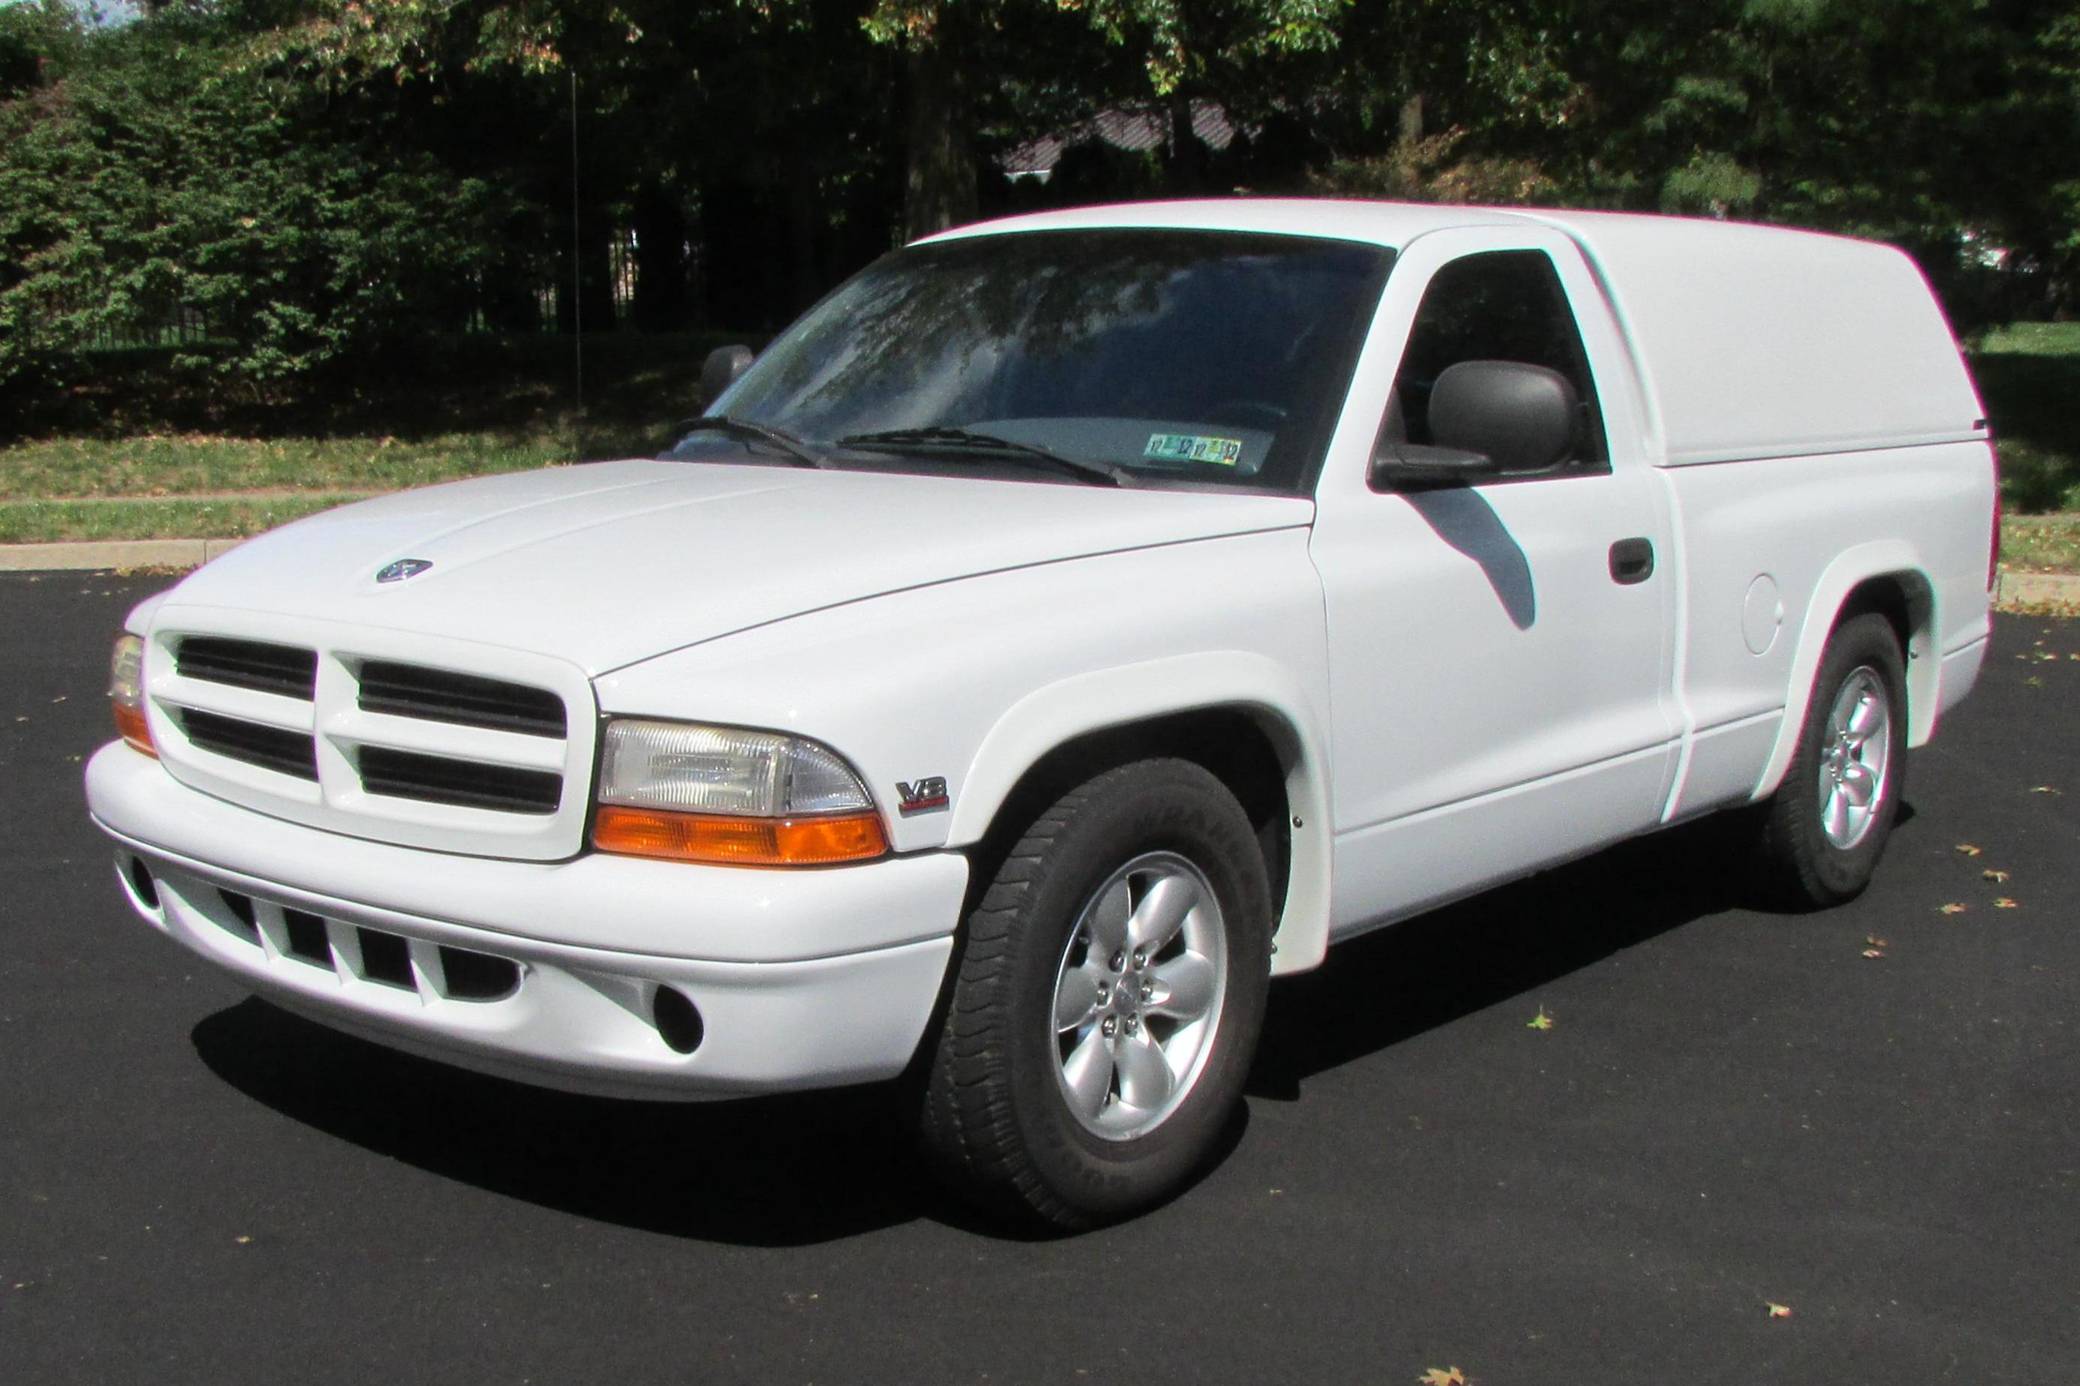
(1826, 826)
(1049, 1096)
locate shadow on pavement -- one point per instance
(812, 1167)
(1385, 987)
(776, 1171)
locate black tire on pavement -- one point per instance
(1017, 1111)
(1819, 847)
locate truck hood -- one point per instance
(606, 564)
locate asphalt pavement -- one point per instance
(1730, 1111)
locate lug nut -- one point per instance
(1148, 993)
(1140, 956)
(1104, 992)
(1133, 1024)
(1119, 960)
(1111, 1026)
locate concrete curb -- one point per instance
(2012, 589)
(113, 553)
(2037, 589)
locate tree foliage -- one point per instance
(295, 188)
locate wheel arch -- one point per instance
(1887, 578)
(1237, 715)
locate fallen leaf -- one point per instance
(2034, 789)
(1874, 941)
(2033, 682)
(1874, 952)
(1780, 1311)
(1968, 849)
(1953, 908)
(1541, 1021)
(1995, 876)
(2004, 903)
(1443, 1376)
(242, 1239)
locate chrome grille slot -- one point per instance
(271, 748)
(253, 664)
(462, 783)
(437, 695)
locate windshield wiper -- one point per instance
(967, 440)
(744, 429)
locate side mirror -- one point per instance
(1487, 418)
(720, 371)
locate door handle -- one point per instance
(1632, 560)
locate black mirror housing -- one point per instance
(1523, 418)
(721, 369)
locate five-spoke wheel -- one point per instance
(1137, 995)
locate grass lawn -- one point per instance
(2029, 376)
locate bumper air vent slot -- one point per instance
(477, 976)
(141, 881)
(307, 938)
(271, 748)
(463, 783)
(254, 664)
(385, 958)
(435, 695)
(241, 907)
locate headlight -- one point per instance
(722, 794)
(126, 693)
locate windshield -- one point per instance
(1148, 354)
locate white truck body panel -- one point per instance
(1457, 684)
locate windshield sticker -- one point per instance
(1192, 447)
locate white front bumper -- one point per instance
(804, 978)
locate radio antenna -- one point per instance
(577, 288)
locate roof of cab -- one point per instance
(1750, 341)
(1380, 223)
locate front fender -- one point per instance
(974, 681)
(1101, 699)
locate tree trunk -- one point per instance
(662, 289)
(939, 187)
(1187, 155)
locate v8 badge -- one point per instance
(924, 796)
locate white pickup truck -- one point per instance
(1068, 625)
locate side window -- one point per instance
(1504, 305)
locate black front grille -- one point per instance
(386, 958)
(307, 937)
(477, 976)
(464, 783)
(436, 695)
(241, 907)
(253, 664)
(270, 748)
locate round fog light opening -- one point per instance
(678, 1023)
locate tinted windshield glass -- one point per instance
(1203, 355)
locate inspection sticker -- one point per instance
(1190, 447)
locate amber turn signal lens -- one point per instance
(728, 841)
(130, 725)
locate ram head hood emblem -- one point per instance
(402, 569)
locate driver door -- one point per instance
(1499, 665)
